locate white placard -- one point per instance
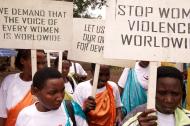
(153, 30)
(88, 43)
(35, 24)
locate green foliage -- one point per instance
(80, 7)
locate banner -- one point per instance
(35, 24)
(154, 30)
(88, 43)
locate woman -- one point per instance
(48, 87)
(15, 89)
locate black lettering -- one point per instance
(131, 25)
(136, 38)
(126, 38)
(3, 10)
(164, 12)
(175, 13)
(121, 8)
(185, 14)
(165, 44)
(177, 42)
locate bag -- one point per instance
(70, 109)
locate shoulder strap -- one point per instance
(71, 82)
(70, 109)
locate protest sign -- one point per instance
(148, 30)
(88, 43)
(35, 24)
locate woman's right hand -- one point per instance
(90, 104)
(147, 120)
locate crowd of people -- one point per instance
(52, 98)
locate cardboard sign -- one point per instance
(88, 43)
(154, 30)
(35, 24)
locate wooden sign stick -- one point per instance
(60, 61)
(152, 85)
(48, 58)
(95, 80)
(34, 62)
(12, 65)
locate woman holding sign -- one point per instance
(105, 108)
(169, 92)
(15, 89)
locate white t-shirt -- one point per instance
(79, 69)
(164, 119)
(84, 90)
(142, 76)
(69, 89)
(12, 91)
(30, 116)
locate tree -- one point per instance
(81, 6)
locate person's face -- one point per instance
(27, 68)
(51, 95)
(144, 64)
(41, 60)
(104, 75)
(65, 68)
(168, 94)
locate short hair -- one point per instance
(168, 71)
(22, 54)
(41, 76)
(66, 61)
(64, 57)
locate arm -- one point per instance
(2, 121)
(118, 103)
(3, 110)
(118, 117)
(122, 80)
(82, 75)
(141, 119)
